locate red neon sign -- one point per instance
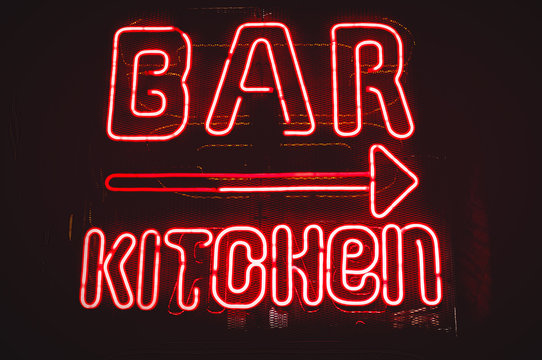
(353, 265)
(160, 94)
(155, 273)
(122, 271)
(240, 30)
(155, 92)
(256, 263)
(194, 291)
(99, 269)
(255, 274)
(405, 116)
(371, 188)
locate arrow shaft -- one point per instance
(241, 176)
(272, 182)
(292, 188)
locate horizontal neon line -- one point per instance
(239, 189)
(242, 175)
(292, 188)
(242, 189)
(162, 189)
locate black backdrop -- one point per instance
(475, 81)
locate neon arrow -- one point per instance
(225, 177)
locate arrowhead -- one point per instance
(373, 191)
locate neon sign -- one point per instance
(223, 177)
(395, 84)
(356, 265)
(254, 240)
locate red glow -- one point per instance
(372, 192)
(365, 273)
(252, 290)
(239, 275)
(122, 271)
(99, 269)
(156, 270)
(359, 109)
(160, 111)
(421, 263)
(226, 176)
(303, 275)
(275, 74)
(254, 263)
(400, 281)
(289, 267)
(276, 77)
(158, 93)
(182, 265)
(290, 188)
(226, 189)
(405, 116)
